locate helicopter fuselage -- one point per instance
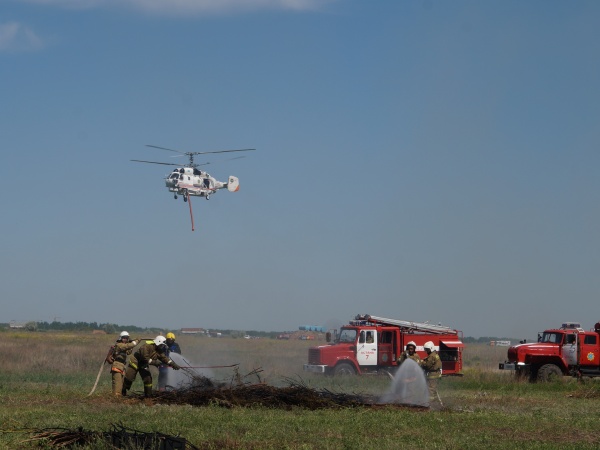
(192, 181)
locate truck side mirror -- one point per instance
(328, 336)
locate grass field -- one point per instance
(46, 377)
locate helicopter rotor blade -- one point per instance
(167, 149)
(154, 162)
(225, 160)
(201, 153)
(169, 164)
(226, 151)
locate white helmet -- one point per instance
(124, 334)
(411, 343)
(160, 340)
(429, 346)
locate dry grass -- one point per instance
(50, 374)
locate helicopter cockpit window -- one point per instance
(206, 183)
(182, 170)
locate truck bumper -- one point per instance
(507, 366)
(315, 368)
(512, 366)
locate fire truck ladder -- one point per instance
(416, 326)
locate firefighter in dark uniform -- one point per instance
(121, 350)
(163, 370)
(150, 353)
(410, 353)
(432, 365)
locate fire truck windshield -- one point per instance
(347, 335)
(553, 338)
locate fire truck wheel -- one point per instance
(344, 369)
(549, 372)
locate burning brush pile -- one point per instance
(203, 391)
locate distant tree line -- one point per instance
(112, 328)
(485, 339)
(109, 328)
(241, 333)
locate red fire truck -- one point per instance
(568, 350)
(371, 344)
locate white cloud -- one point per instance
(188, 7)
(16, 37)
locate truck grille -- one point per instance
(314, 356)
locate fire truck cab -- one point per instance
(371, 344)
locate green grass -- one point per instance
(483, 409)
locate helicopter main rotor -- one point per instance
(190, 155)
(168, 164)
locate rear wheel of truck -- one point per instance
(549, 372)
(344, 369)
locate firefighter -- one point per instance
(410, 353)
(163, 370)
(120, 351)
(151, 353)
(432, 365)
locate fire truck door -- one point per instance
(366, 349)
(569, 349)
(385, 348)
(589, 350)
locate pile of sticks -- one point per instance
(119, 437)
(241, 393)
(262, 395)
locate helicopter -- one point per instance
(187, 180)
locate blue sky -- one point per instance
(420, 160)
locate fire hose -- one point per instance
(189, 369)
(189, 366)
(209, 367)
(97, 378)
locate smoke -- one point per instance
(409, 386)
(181, 379)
